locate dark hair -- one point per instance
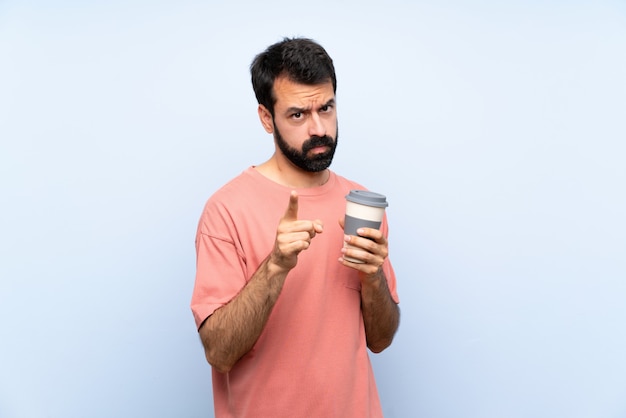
(302, 60)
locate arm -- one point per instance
(232, 330)
(381, 314)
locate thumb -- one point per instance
(292, 209)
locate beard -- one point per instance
(315, 163)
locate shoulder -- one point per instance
(220, 205)
(347, 183)
(244, 196)
(236, 190)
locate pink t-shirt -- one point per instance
(311, 359)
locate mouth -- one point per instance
(319, 150)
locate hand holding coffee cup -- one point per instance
(364, 209)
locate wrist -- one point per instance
(274, 269)
(374, 279)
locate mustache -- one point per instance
(317, 141)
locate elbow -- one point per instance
(221, 368)
(380, 345)
(216, 356)
(221, 365)
(379, 341)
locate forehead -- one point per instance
(289, 93)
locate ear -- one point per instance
(266, 119)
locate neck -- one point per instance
(291, 176)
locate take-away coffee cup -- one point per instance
(363, 209)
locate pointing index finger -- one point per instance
(292, 209)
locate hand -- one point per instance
(293, 236)
(371, 248)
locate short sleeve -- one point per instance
(220, 275)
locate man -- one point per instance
(284, 318)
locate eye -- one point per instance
(326, 108)
(297, 115)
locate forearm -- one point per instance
(232, 330)
(381, 314)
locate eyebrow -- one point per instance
(295, 109)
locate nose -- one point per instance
(316, 126)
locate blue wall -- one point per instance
(496, 130)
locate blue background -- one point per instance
(496, 129)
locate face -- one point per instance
(304, 124)
(305, 158)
